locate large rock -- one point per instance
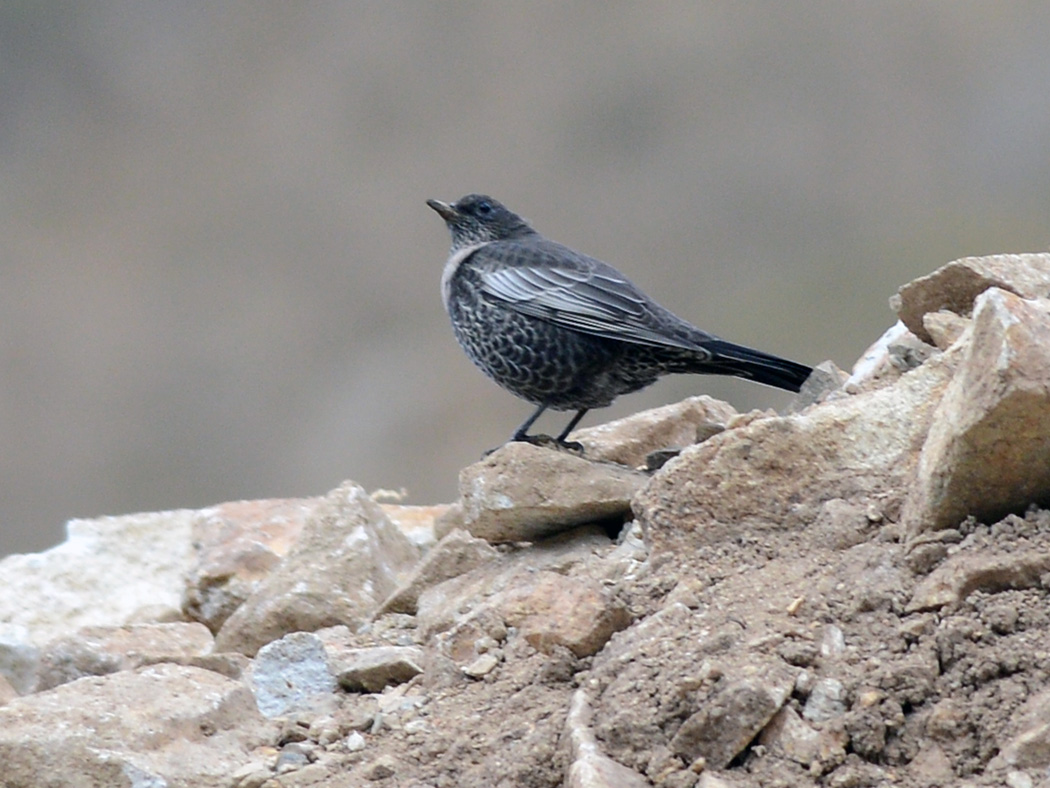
(96, 651)
(237, 545)
(628, 441)
(522, 492)
(292, 674)
(456, 554)
(589, 767)
(779, 470)
(109, 572)
(165, 725)
(513, 591)
(954, 287)
(987, 452)
(551, 610)
(734, 714)
(347, 560)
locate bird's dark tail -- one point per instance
(744, 362)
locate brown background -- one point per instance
(218, 277)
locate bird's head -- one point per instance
(477, 219)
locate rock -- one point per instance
(348, 558)
(373, 669)
(382, 767)
(456, 554)
(1029, 747)
(862, 446)
(885, 360)
(161, 725)
(788, 735)
(7, 692)
(944, 327)
(931, 766)
(237, 545)
(109, 572)
(19, 658)
(553, 610)
(965, 572)
(96, 651)
(466, 608)
(292, 674)
(827, 699)
(825, 378)
(986, 453)
(523, 492)
(733, 714)
(589, 767)
(955, 286)
(630, 440)
(418, 523)
(482, 665)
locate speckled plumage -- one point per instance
(566, 331)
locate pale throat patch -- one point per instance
(454, 259)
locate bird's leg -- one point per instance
(521, 433)
(569, 428)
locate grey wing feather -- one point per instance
(598, 302)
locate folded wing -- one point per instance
(587, 296)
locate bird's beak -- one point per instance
(446, 211)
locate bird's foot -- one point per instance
(544, 441)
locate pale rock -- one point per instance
(832, 642)
(550, 610)
(732, 715)
(7, 692)
(19, 658)
(381, 768)
(96, 651)
(292, 674)
(944, 327)
(109, 572)
(827, 699)
(373, 669)
(466, 608)
(237, 545)
(955, 286)
(482, 665)
(876, 367)
(523, 492)
(1029, 747)
(348, 558)
(418, 523)
(456, 554)
(986, 453)
(963, 573)
(449, 521)
(630, 440)
(165, 725)
(825, 379)
(709, 780)
(588, 766)
(857, 447)
(789, 735)
(931, 766)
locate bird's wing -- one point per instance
(594, 298)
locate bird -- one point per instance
(565, 331)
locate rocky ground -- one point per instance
(853, 594)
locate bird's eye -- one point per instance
(484, 208)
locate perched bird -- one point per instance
(566, 331)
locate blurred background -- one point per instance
(219, 279)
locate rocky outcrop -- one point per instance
(853, 593)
